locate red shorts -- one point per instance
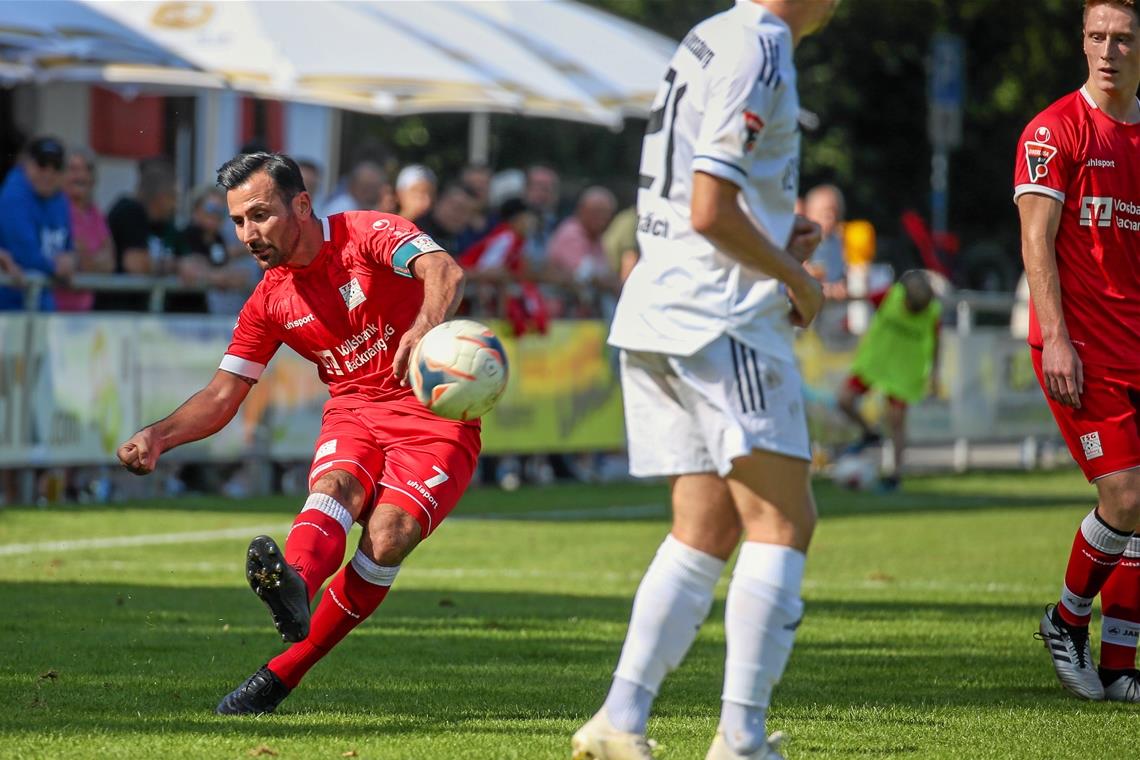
(860, 386)
(1104, 434)
(421, 465)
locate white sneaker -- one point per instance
(721, 751)
(1069, 649)
(1126, 688)
(599, 740)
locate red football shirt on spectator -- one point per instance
(1074, 152)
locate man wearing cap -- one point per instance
(36, 224)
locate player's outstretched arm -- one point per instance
(443, 290)
(717, 215)
(202, 415)
(1060, 364)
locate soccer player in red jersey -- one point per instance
(1078, 195)
(353, 293)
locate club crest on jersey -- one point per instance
(352, 293)
(752, 126)
(1038, 154)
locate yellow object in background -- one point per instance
(858, 242)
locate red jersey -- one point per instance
(501, 248)
(346, 311)
(1074, 152)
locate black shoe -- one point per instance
(259, 695)
(280, 586)
(868, 439)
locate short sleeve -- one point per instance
(253, 343)
(1044, 160)
(741, 98)
(390, 241)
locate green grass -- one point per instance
(501, 633)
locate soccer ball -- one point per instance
(855, 472)
(459, 369)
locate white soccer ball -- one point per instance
(459, 369)
(855, 472)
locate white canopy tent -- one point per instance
(65, 40)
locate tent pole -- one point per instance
(479, 138)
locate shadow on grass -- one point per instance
(110, 658)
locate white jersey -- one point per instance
(727, 107)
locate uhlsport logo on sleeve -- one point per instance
(1038, 154)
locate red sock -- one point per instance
(315, 544)
(1120, 607)
(1097, 549)
(347, 601)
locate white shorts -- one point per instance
(689, 414)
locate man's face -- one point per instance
(210, 212)
(454, 211)
(269, 228)
(45, 178)
(416, 199)
(78, 179)
(595, 215)
(823, 209)
(1111, 49)
(367, 185)
(479, 181)
(542, 189)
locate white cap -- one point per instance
(412, 174)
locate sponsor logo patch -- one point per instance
(352, 293)
(299, 322)
(1038, 154)
(752, 126)
(1090, 443)
(381, 224)
(1096, 211)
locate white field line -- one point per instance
(152, 539)
(200, 536)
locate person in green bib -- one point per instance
(897, 357)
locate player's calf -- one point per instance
(280, 587)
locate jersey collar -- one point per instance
(1092, 103)
(325, 228)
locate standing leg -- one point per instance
(848, 400)
(1120, 627)
(773, 496)
(896, 426)
(672, 601)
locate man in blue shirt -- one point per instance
(35, 224)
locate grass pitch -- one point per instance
(502, 630)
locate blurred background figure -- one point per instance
(313, 176)
(541, 193)
(229, 271)
(93, 249)
(449, 218)
(477, 179)
(576, 255)
(145, 236)
(898, 356)
(620, 243)
(364, 190)
(35, 226)
(416, 187)
(824, 205)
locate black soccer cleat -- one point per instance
(280, 586)
(258, 695)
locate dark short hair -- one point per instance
(46, 151)
(282, 169)
(156, 176)
(453, 187)
(513, 207)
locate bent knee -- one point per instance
(1121, 508)
(391, 535)
(342, 486)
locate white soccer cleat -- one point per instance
(1126, 688)
(599, 740)
(1069, 650)
(770, 751)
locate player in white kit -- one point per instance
(713, 395)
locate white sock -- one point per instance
(674, 598)
(761, 614)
